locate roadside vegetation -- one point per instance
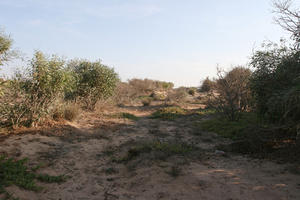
(256, 107)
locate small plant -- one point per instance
(15, 172)
(227, 128)
(71, 112)
(169, 113)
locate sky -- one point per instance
(169, 40)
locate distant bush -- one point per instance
(177, 96)
(233, 93)
(207, 85)
(148, 86)
(124, 94)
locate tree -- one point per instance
(288, 18)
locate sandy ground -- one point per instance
(81, 151)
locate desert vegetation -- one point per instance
(71, 129)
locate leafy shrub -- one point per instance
(94, 81)
(29, 99)
(233, 93)
(275, 83)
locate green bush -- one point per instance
(94, 81)
(227, 128)
(30, 97)
(275, 83)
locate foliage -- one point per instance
(15, 172)
(5, 48)
(28, 99)
(207, 85)
(169, 113)
(227, 128)
(275, 83)
(94, 81)
(233, 93)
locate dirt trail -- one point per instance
(84, 150)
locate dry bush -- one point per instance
(146, 101)
(147, 86)
(233, 93)
(176, 96)
(66, 110)
(124, 94)
(71, 112)
(142, 87)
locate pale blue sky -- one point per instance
(171, 40)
